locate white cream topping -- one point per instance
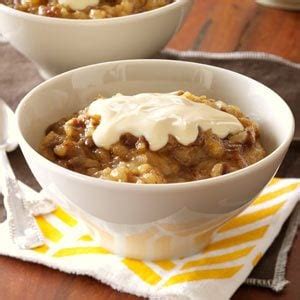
(78, 4)
(156, 116)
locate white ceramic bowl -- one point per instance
(284, 4)
(56, 45)
(164, 220)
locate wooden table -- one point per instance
(213, 25)
(235, 25)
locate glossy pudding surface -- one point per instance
(154, 138)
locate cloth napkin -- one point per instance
(215, 273)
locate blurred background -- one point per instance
(242, 25)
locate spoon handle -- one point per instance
(23, 228)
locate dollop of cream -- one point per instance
(78, 4)
(156, 116)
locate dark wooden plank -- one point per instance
(274, 31)
(221, 26)
(198, 17)
(228, 22)
(21, 280)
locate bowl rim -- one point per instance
(82, 22)
(283, 146)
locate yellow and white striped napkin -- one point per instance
(215, 273)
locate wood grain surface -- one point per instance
(235, 25)
(213, 25)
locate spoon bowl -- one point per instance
(8, 132)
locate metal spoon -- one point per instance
(23, 228)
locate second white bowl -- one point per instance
(57, 45)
